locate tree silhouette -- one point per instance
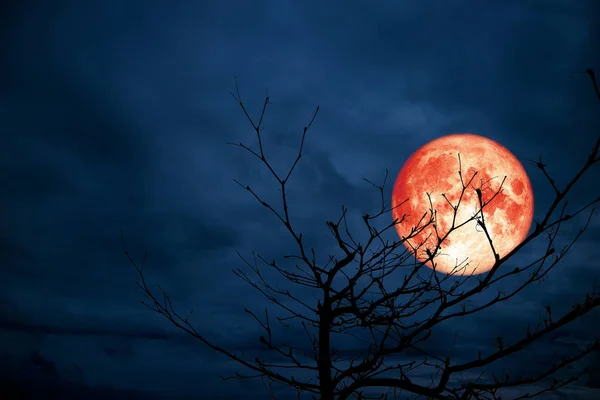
(376, 291)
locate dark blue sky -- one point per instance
(116, 114)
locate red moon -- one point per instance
(433, 169)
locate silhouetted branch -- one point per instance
(357, 299)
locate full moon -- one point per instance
(432, 174)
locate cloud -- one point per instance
(117, 116)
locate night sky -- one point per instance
(116, 115)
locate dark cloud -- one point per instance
(116, 115)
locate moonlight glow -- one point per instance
(433, 169)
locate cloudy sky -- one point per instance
(116, 114)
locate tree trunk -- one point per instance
(324, 351)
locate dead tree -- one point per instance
(377, 291)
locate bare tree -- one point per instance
(358, 297)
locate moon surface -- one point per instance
(433, 169)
